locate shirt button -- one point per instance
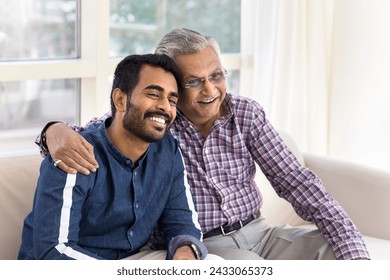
(135, 173)
(128, 162)
(136, 205)
(131, 233)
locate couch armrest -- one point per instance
(363, 192)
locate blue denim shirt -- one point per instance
(111, 214)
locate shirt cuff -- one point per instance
(41, 140)
(182, 240)
(352, 249)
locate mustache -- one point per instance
(167, 117)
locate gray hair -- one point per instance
(185, 41)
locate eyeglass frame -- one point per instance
(200, 81)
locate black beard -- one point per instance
(134, 123)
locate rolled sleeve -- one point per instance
(183, 240)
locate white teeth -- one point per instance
(207, 100)
(159, 120)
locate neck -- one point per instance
(205, 127)
(129, 145)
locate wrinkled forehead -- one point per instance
(199, 64)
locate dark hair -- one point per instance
(127, 72)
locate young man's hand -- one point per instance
(184, 253)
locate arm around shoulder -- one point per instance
(68, 147)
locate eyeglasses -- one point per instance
(215, 78)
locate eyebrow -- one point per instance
(218, 68)
(160, 89)
(156, 87)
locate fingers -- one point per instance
(64, 167)
(88, 157)
(82, 159)
(69, 146)
(73, 160)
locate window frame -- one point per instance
(94, 66)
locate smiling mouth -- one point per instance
(208, 101)
(159, 120)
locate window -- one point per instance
(57, 56)
(44, 31)
(137, 26)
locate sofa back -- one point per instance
(18, 179)
(277, 210)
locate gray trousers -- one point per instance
(260, 240)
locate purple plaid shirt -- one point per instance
(221, 170)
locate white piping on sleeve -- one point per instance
(195, 217)
(65, 222)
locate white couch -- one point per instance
(363, 192)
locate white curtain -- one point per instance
(321, 70)
(291, 67)
(359, 129)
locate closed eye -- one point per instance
(173, 98)
(153, 95)
(195, 82)
(173, 101)
(215, 76)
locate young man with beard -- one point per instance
(141, 180)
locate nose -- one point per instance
(164, 105)
(208, 88)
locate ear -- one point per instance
(119, 98)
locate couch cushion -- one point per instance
(18, 178)
(378, 248)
